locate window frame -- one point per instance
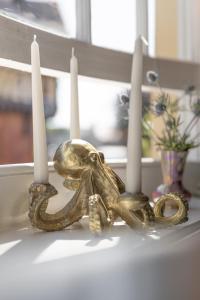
(94, 61)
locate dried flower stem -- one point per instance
(190, 125)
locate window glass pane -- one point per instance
(52, 15)
(114, 24)
(174, 28)
(103, 115)
(100, 120)
(15, 114)
(166, 28)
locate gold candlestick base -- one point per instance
(100, 195)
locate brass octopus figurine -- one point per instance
(100, 195)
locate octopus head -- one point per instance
(72, 158)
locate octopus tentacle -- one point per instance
(39, 198)
(98, 215)
(135, 210)
(181, 214)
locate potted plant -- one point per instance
(174, 142)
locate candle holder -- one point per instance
(100, 195)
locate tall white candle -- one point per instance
(39, 129)
(74, 113)
(133, 170)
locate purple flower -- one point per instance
(160, 108)
(152, 77)
(160, 105)
(124, 100)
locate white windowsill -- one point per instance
(73, 263)
(27, 168)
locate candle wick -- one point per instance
(34, 37)
(73, 51)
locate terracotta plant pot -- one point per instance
(173, 165)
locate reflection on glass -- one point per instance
(53, 15)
